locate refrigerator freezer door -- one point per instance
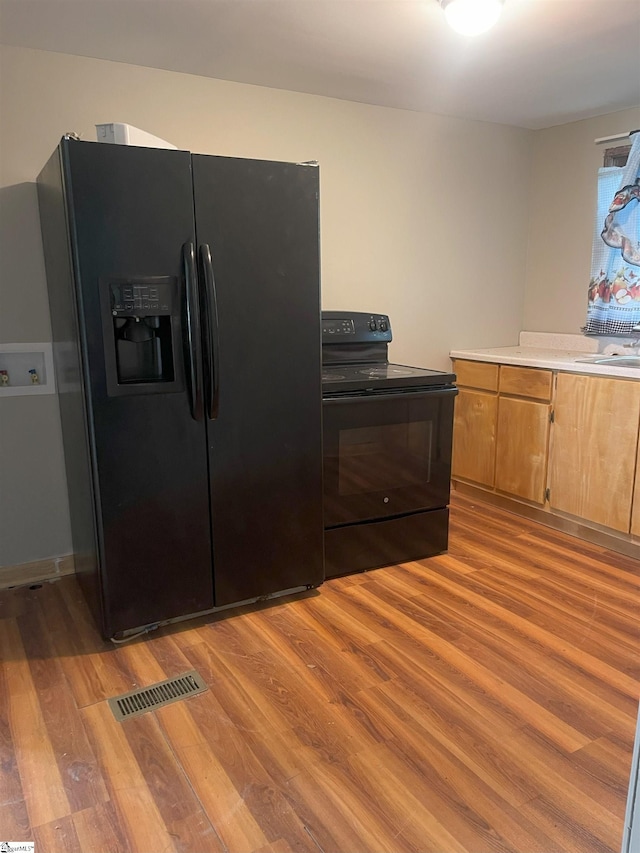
(260, 222)
(132, 213)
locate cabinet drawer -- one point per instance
(477, 374)
(526, 382)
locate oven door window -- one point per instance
(386, 455)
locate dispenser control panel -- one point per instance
(137, 299)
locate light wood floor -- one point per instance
(480, 701)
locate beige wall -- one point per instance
(422, 216)
(563, 203)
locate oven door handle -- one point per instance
(449, 391)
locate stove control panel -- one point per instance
(355, 327)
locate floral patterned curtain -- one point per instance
(614, 288)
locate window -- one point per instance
(616, 156)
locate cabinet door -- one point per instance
(595, 440)
(474, 436)
(635, 509)
(521, 451)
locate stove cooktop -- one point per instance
(376, 377)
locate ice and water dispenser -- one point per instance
(141, 324)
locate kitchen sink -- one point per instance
(631, 361)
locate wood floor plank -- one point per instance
(534, 669)
(396, 652)
(224, 805)
(549, 768)
(323, 679)
(152, 660)
(586, 613)
(557, 575)
(60, 834)
(315, 728)
(622, 567)
(549, 554)
(419, 716)
(238, 710)
(182, 813)
(337, 803)
(579, 804)
(477, 816)
(554, 578)
(482, 700)
(14, 818)
(570, 834)
(139, 818)
(167, 652)
(202, 722)
(577, 697)
(248, 710)
(279, 846)
(315, 646)
(552, 616)
(609, 763)
(246, 809)
(90, 664)
(100, 828)
(15, 602)
(502, 692)
(468, 556)
(42, 785)
(195, 834)
(539, 630)
(79, 771)
(556, 592)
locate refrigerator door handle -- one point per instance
(211, 333)
(191, 306)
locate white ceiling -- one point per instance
(547, 62)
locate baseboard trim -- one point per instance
(25, 574)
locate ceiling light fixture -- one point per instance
(471, 17)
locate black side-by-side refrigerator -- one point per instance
(185, 305)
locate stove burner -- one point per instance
(386, 372)
(328, 377)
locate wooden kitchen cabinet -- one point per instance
(501, 439)
(521, 448)
(475, 422)
(476, 374)
(565, 444)
(595, 443)
(474, 436)
(526, 382)
(522, 444)
(635, 506)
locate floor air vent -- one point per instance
(163, 693)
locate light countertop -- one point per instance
(569, 359)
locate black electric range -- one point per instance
(387, 434)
